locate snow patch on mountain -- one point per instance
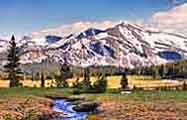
(124, 45)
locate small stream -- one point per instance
(62, 106)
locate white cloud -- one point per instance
(174, 20)
(66, 30)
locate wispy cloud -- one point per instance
(174, 20)
(66, 30)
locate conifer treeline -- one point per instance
(170, 70)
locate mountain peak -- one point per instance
(89, 32)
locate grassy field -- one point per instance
(6, 93)
(141, 105)
(136, 95)
(113, 82)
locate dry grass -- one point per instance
(113, 82)
(21, 108)
(138, 81)
(28, 83)
(140, 105)
(118, 109)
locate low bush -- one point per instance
(76, 91)
(100, 85)
(184, 86)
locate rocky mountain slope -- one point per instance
(124, 45)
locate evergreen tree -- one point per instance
(12, 67)
(86, 80)
(64, 75)
(101, 84)
(155, 72)
(124, 82)
(42, 80)
(36, 76)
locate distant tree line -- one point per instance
(165, 71)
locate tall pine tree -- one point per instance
(124, 82)
(12, 66)
(86, 78)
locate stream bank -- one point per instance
(72, 108)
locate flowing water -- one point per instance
(62, 106)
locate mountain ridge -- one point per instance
(125, 45)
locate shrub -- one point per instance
(61, 83)
(86, 81)
(124, 82)
(78, 85)
(100, 85)
(184, 86)
(76, 91)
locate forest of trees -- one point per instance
(176, 70)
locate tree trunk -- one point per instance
(42, 80)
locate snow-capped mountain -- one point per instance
(88, 33)
(3, 45)
(124, 45)
(3, 48)
(33, 49)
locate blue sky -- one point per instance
(26, 16)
